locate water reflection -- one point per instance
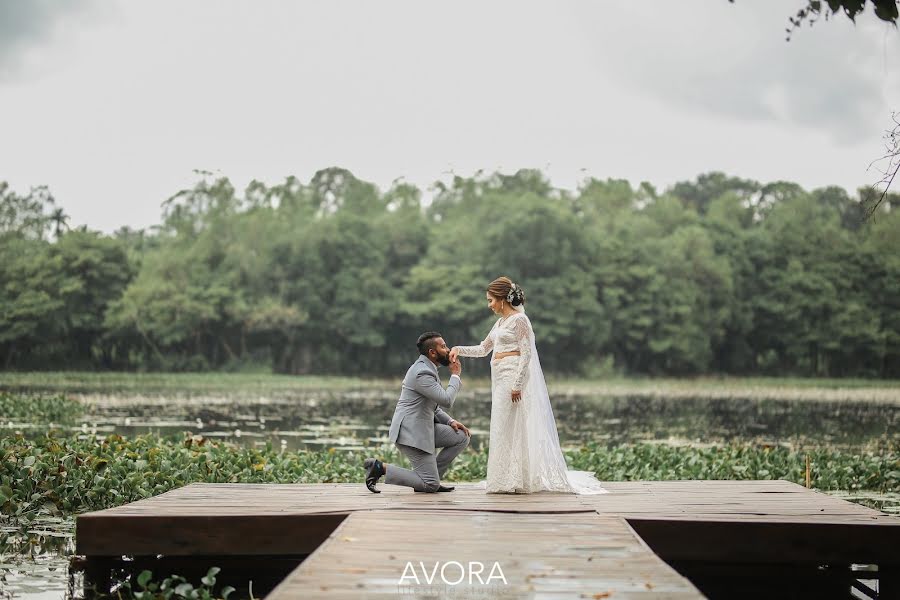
(345, 421)
(34, 560)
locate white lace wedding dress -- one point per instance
(524, 454)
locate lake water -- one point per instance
(33, 566)
(351, 420)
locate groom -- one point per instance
(420, 425)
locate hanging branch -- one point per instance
(888, 164)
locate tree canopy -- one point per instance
(715, 275)
(886, 10)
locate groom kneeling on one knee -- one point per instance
(420, 424)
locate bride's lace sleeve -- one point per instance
(523, 333)
(482, 349)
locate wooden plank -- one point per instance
(220, 519)
(373, 555)
(741, 498)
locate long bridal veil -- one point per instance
(543, 438)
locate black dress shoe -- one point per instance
(441, 488)
(374, 471)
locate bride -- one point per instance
(524, 454)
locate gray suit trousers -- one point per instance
(428, 468)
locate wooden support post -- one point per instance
(97, 576)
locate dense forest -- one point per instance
(717, 275)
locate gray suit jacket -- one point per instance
(421, 399)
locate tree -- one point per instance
(54, 297)
(25, 216)
(886, 10)
(60, 221)
(30, 305)
(710, 186)
(715, 275)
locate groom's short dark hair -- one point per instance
(426, 341)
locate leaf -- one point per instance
(144, 578)
(886, 11)
(184, 589)
(29, 460)
(210, 578)
(227, 591)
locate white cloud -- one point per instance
(119, 110)
(733, 60)
(27, 25)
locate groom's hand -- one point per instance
(457, 426)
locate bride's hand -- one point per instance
(516, 395)
(454, 354)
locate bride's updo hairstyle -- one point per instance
(503, 288)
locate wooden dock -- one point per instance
(538, 555)
(679, 539)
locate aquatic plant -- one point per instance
(60, 476)
(38, 408)
(175, 587)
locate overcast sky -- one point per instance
(114, 104)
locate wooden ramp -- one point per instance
(386, 554)
(705, 529)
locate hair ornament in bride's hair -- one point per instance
(516, 295)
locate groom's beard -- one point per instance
(444, 359)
